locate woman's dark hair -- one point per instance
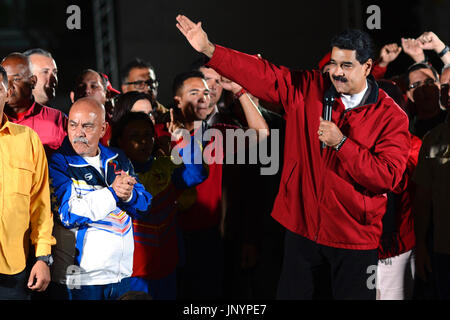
(357, 40)
(418, 66)
(119, 127)
(125, 102)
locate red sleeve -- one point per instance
(410, 165)
(379, 170)
(264, 80)
(378, 72)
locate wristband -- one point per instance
(240, 93)
(443, 52)
(339, 145)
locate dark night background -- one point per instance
(291, 33)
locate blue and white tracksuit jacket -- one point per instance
(93, 227)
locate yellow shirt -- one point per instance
(24, 197)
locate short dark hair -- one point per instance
(418, 66)
(80, 77)
(182, 77)
(119, 127)
(135, 63)
(199, 63)
(40, 51)
(353, 39)
(125, 102)
(4, 75)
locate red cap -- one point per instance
(109, 87)
(325, 60)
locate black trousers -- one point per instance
(14, 287)
(313, 271)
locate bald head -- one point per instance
(17, 58)
(87, 126)
(20, 79)
(89, 105)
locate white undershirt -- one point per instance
(351, 101)
(95, 162)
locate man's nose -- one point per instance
(53, 78)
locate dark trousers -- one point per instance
(112, 291)
(313, 271)
(441, 271)
(201, 276)
(14, 287)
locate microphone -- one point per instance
(327, 109)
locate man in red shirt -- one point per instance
(22, 108)
(336, 172)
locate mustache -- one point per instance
(340, 78)
(80, 139)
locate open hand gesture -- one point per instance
(196, 36)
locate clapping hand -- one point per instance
(123, 186)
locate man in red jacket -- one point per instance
(332, 198)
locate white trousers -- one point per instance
(395, 277)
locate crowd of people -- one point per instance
(95, 206)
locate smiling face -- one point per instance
(193, 99)
(44, 68)
(21, 81)
(137, 141)
(346, 72)
(86, 126)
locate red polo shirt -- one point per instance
(50, 124)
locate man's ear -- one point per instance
(104, 127)
(72, 96)
(368, 65)
(177, 101)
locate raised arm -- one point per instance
(264, 80)
(196, 36)
(254, 118)
(413, 48)
(430, 41)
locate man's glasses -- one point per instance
(427, 82)
(141, 84)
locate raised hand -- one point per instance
(430, 41)
(388, 54)
(196, 36)
(230, 85)
(413, 48)
(174, 125)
